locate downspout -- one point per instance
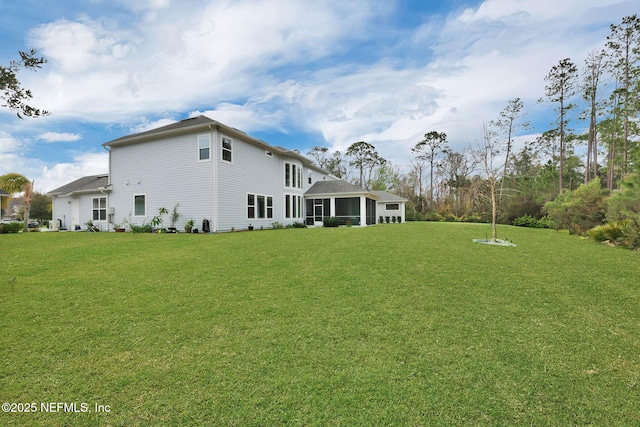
(109, 216)
(214, 144)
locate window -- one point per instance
(292, 206)
(251, 205)
(393, 206)
(287, 175)
(204, 147)
(287, 206)
(309, 177)
(292, 175)
(259, 206)
(139, 205)
(226, 149)
(99, 208)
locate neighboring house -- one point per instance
(211, 172)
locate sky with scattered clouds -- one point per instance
(293, 73)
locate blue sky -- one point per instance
(293, 73)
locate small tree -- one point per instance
(486, 153)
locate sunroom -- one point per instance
(347, 203)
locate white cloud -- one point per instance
(58, 137)
(8, 144)
(286, 65)
(84, 164)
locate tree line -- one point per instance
(593, 138)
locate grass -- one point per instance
(409, 324)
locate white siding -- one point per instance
(251, 172)
(168, 172)
(381, 211)
(62, 211)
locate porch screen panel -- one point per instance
(371, 211)
(309, 211)
(348, 210)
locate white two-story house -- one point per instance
(216, 175)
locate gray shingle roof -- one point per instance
(334, 187)
(385, 196)
(194, 121)
(85, 184)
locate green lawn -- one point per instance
(400, 324)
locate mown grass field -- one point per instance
(408, 325)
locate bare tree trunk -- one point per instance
(494, 209)
(28, 189)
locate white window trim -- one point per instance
(222, 149)
(200, 147)
(255, 206)
(295, 175)
(105, 209)
(145, 205)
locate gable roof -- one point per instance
(337, 187)
(177, 127)
(385, 196)
(86, 184)
(205, 124)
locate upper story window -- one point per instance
(292, 175)
(392, 206)
(204, 147)
(99, 208)
(226, 149)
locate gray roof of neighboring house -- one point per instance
(335, 187)
(385, 196)
(4, 193)
(87, 184)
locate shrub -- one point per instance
(622, 233)
(330, 221)
(410, 215)
(433, 216)
(529, 221)
(578, 210)
(12, 227)
(144, 228)
(276, 225)
(298, 224)
(451, 218)
(471, 218)
(546, 222)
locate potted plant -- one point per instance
(188, 226)
(118, 228)
(250, 227)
